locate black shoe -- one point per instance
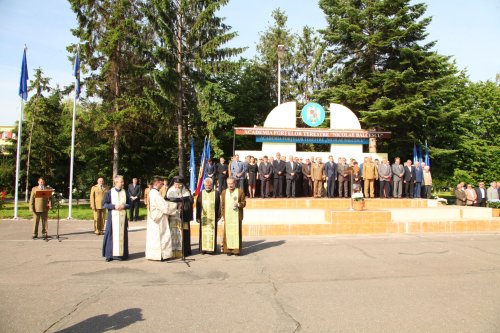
(229, 254)
(34, 237)
(108, 259)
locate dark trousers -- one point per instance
(427, 191)
(385, 189)
(330, 187)
(264, 187)
(344, 188)
(278, 186)
(418, 190)
(134, 210)
(290, 187)
(307, 187)
(409, 189)
(222, 183)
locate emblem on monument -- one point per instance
(313, 114)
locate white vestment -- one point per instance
(158, 238)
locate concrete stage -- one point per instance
(309, 217)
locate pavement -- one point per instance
(383, 283)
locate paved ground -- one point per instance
(431, 283)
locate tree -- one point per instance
(274, 35)
(112, 50)
(380, 67)
(189, 60)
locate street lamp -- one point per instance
(281, 53)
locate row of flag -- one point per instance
(418, 157)
(196, 186)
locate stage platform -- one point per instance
(309, 217)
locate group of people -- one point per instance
(479, 196)
(311, 177)
(169, 213)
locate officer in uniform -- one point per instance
(97, 194)
(40, 208)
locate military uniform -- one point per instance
(97, 195)
(318, 173)
(40, 209)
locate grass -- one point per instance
(79, 212)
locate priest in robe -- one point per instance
(232, 204)
(207, 215)
(180, 194)
(158, 237)
(117, 201)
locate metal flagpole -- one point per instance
(72, 158)
(18, 158)
(23, 93)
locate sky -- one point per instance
(466, 30)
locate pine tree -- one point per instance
(190, 58)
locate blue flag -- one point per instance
(77, 74)
(205, 162)
(23, 83)
(420, 156)
(192, 169)
(415, 157)
(427, 159)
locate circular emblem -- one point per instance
(313, 114)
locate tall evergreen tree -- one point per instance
(112, 50)
(381, 68)
(278, 34)
(189, 56)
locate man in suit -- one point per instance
(482, 197)
(135, 193)
(221, 171)
(398, 172)
(331, 176)
(238, 172)
(279, 175)
(343, 177)
(40, 208)
(97, 195)
(384, 174)
(419, 175)
(299, 178)
(409, 179)
(471, 196)
(291, 176)
(318, 175)
(492, 192)
(370, 175)
(460, 195)
(307, 178)
(265, 173)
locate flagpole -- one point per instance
(18, 158)
(23, 93)
(72, 158)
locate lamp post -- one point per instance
(281, 53)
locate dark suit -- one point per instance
(291, 177)
(307, 180)
(481, 199)
(279, 175)
(134, 191)
(331, 173)
(298, 181)
(221, 170)
(265, 169)
(409, 180)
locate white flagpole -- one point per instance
(72, 158)
(18, 158)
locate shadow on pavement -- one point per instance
(137, 255)
(260, 245)
(104, 322)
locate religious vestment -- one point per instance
(158, 237)
(115, 244)
(207, 214)
(184, 200)
(233, 218)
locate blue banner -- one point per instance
(326, 141)
(77, 74)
